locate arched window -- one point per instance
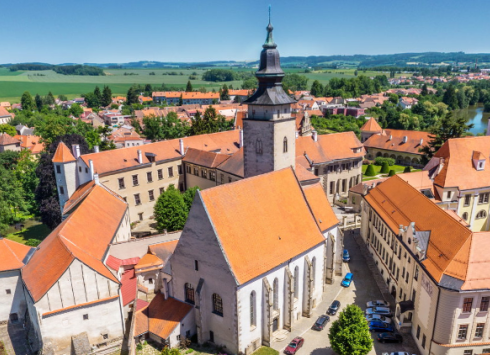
(285, 145)
(189, 293)
(217, 304)
(481, 214)
(258, 146)
(275, 291)
(296, 282)
(465, 216)
(313, 271)
(253, 320)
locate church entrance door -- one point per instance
(275, 324)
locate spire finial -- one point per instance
(269, 42)
(269, 14)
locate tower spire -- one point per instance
(269, 41)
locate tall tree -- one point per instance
(92, 100)
(39, 102)
(188, 87)
(450, 98)
(106, 96)
(181, 100)
(349, 334)
(131, 97)
(27, 102)
(224, 94)
(50, 99)
(170, 210)
(425, 90)
(98, 94)
(317, 89)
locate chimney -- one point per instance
(96, 148)
(76, 150)
(391, 137)
(404, 139)
(314, 135)
(241, 138)
(181, 147)
(140, 157)
(421, 141)
(96, 179)
(91, 166)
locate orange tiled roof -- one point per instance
(161, 316)
(80, 193)
(318, 201)
(6, 139)
(304, 174)
(458, 170)
(63, 154)
(163, 250)
(195, 95)
(255, 217)
(383, 141)
(148, 260)
(31, 142)
(398, 203)
(457, 218)
(234, 165)
(4, 112)
(12, 254)
(204, 158)
(112, 160)
(241, 92)
(74, 239)
(371, 126)
(329, 147)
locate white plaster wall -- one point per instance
(66, 178)
(15, 301)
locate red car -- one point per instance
(294, 346)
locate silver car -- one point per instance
(378, 303)
(378, 317)
(384, 311)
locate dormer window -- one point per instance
(478, 161)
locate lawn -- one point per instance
(264, 350)
(32, 230)
(377, 168)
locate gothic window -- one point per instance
(189, 293)
(217, 304)
(296, 282)
(258, 146)
(252, 309)
(313, 271)
(285, 145)
(275, 291)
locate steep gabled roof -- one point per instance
(6, 139)
(371, 126)
(395, 143)
(63, 154)
(84, 235)
(330, 147)
(233, 165)
(255, 217)
(318, 201)
(13, 255)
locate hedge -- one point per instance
(381, 160)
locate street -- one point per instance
(362, 290)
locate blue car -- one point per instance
(378, 326)
(347, 280)
(346, 256)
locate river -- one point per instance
(476, 116)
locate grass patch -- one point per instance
(265, 350)
(32, 230)
(377, 168)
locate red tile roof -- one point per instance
(371, 126)
(128, 286)
(233, 165)
(6, 139)
(148, 260)
(255, 217)
(12, 254)
(163, 250)
(63, 154)
(329, 147)
(31, 142)
(115, 263)
(412, 146)
(318, 201)
(204, 158)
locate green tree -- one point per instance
(355, 72)
(370, 170)
(295, 82)
(407, 169)
(92, 99)
(349, 335)
(39, 102)
(450, 98)
(188, 87)
(62, 98)
(224, 93)
(385, 168)
(76, 110)
(181, 100)
(170, 210)
(250, 83)
(98, 94)
(50, 99)
(189, 196)
(392, 172)
(106, 96)
(26, 102)
(317, 89)
(425, 90)
(6, 128)
(132, 96)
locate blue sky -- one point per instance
(102, 31)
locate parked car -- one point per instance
(321, 322)
(384, 311)
(390, 338)
(294, 346)
(346, 256)
(378, 326)
(378, 303)
(378, 317)
(334, 307)
(347, 280)
(396, 353)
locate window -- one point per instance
(463, 330)
(204, 173)
(171, 171)
(212, 176)
(150, 281)
(189, 293)
(418, 331)
(135, 180)
(8, 291)
(222, 178)
(252, 309)
(275, 291)
(149, 176)
(105, 336)
(79, 169)
(258, 146)
(479, 330)
(467, 304)
(85, 317)
(316, 172)
(151, 195)
(414, 293)
(189, 169)
(121, 183)
(285, 145)
(481, 214)
(423, 341)
(161, 189)
(486, 351)
(137, 199)
(196, 171)
(58, 169)
(467, 199)
(196, 265)
(179, 169)
(465, 216)
(483, 198)
(296, 282)
(229, 179)
(62, 190)
(86, 170)
(332, 187)
(484, 304)
(313, 271)
(344, 184)
(468, 352)
(217, 305)
(406, 278)
(449, 194)
(416, 276)
(140, 216)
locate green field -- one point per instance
(13, 84)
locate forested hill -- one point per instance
(76, 69)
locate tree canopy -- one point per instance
(170, 210)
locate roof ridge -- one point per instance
(6, 244)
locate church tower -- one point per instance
(269, 131)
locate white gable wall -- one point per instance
(15, 301)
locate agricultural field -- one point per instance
(13, 84)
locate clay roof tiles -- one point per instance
(63, 154)
(6, 139)
(234, 165)
(13, 255)
(330, 147)
(412, 145)
(318, 201)
(371, 126)
(204, 158)
(148, 260)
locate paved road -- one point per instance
(362, 290)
